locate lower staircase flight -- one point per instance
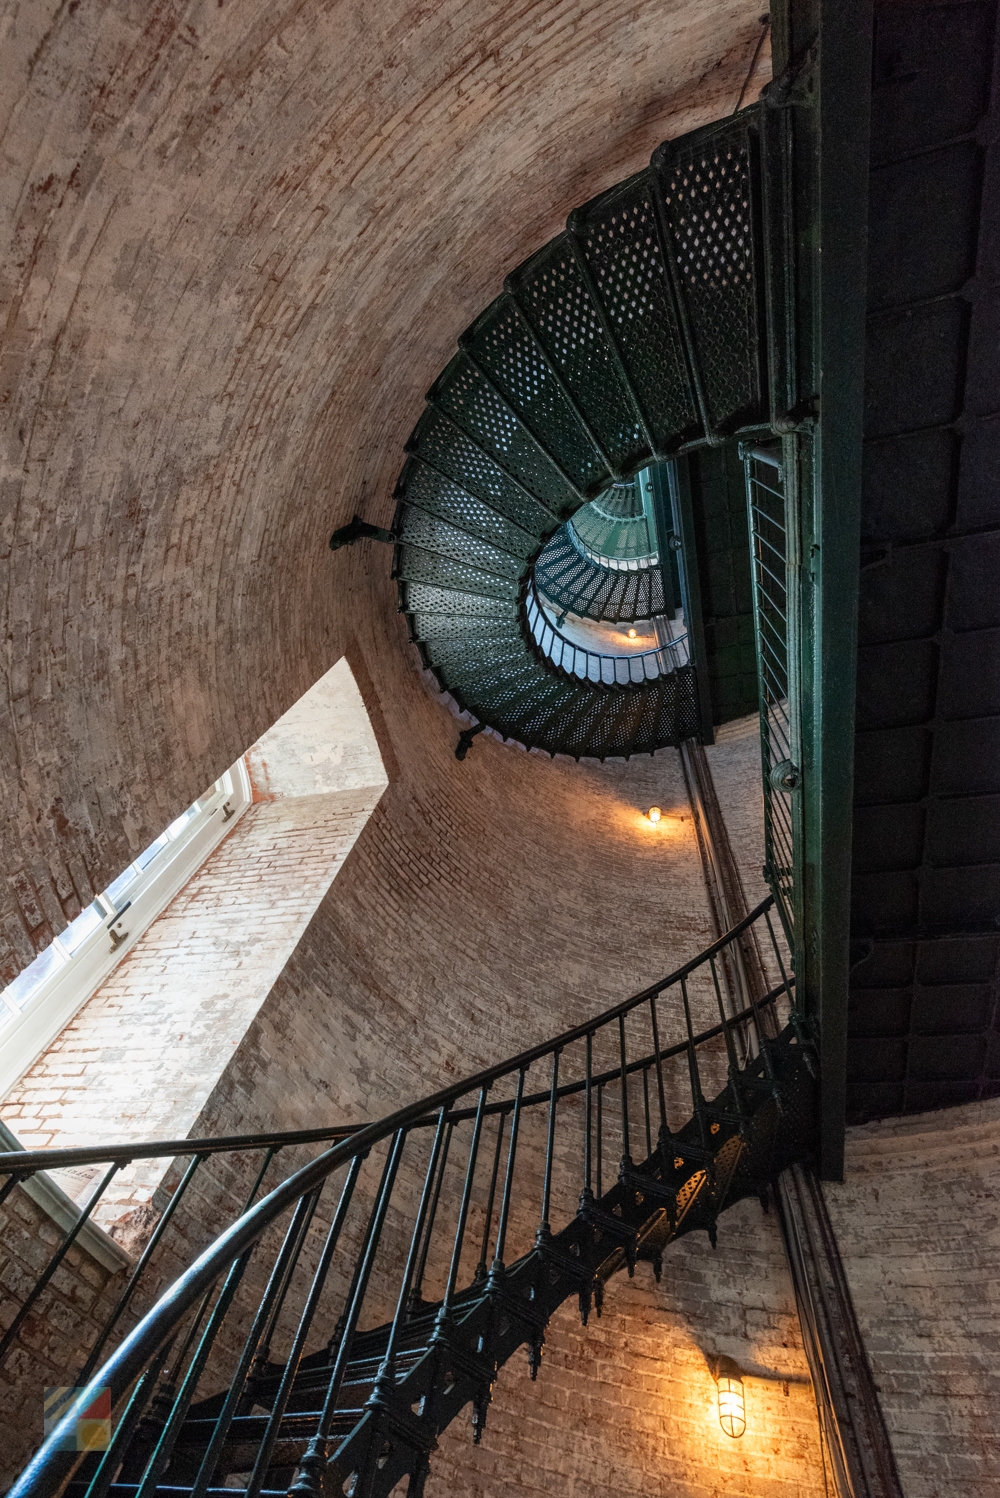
(503, 1202)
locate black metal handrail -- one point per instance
(601, 668)
(141, 1351)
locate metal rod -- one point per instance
(659, 1063)
(165, 1445)
(463, 1215)
(481, 1267)
(587, 1175)
(693, 1071)
(247, 1357)
(126, 1428)
(291, 1368)
(550, 1141)
(645, 1103)
(509, 1177)
(418, 1283)
(84, 1375)
(54, 1262)
(626, 1151)
(366, 1261)
(411, 1258)
(726, 1026)
(600, 1138)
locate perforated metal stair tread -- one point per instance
(632, 335)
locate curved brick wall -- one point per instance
(239, 243)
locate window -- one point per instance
(48, 993)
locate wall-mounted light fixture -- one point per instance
(654, 814)
(732, 1406)
(631, 634)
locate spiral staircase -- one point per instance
(635, 336)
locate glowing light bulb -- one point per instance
(631, 634)
(654, 814)
(732, 1406)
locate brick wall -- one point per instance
(917, 1222)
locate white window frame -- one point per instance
(61, 995)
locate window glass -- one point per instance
(117, 888)
(147, 855)
(77, 931)
(16, 994)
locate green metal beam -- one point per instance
(822, 64)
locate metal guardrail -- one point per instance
(630, 1089)
(596, 666)
(772, 542)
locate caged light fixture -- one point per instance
(732, 1406)
(654, 814)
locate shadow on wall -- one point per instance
(143, 1054)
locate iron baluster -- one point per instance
(389, 1357)
(262, 1356)
(697, 1097)
(84, 1375)
(248, 1359)
(17, 1178)
(587, 1171)
(600, 1138)
(54, 1262)
(724, 1019)
(305, 1322)
(626, 1151)
(482, 1266)
(127, 1425)
(165, 1445)
(498, 1262)
(645, 1104)
(549, 1145)
(362, 1275)
(463, 1215)
(659, 1064)
(442, 1150)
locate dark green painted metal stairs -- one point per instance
(636, 335)
(476, 1213)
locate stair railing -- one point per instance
(599, 667)
(630, 1139)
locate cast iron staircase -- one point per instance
(354, 1408)
(636, 335)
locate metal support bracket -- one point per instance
(465, 740)
(358, 530)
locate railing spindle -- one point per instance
(136, 1275)
(659, 1063)
(418, 1283)
(550, 1144)
(248, 1358)
(645, 1103)
(587, 1172)
(600, 1138)
(626, 1151)
(483, 1265)
(463, 1215)
(509, 1178)
(366, 1263)
(403, 1301)
(53, 1264)
(305, 1322)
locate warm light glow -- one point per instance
(631, 634)
(654, 814)
(732, 1408)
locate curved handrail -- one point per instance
(597, 667)
(611, 564)
(50, 1466)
